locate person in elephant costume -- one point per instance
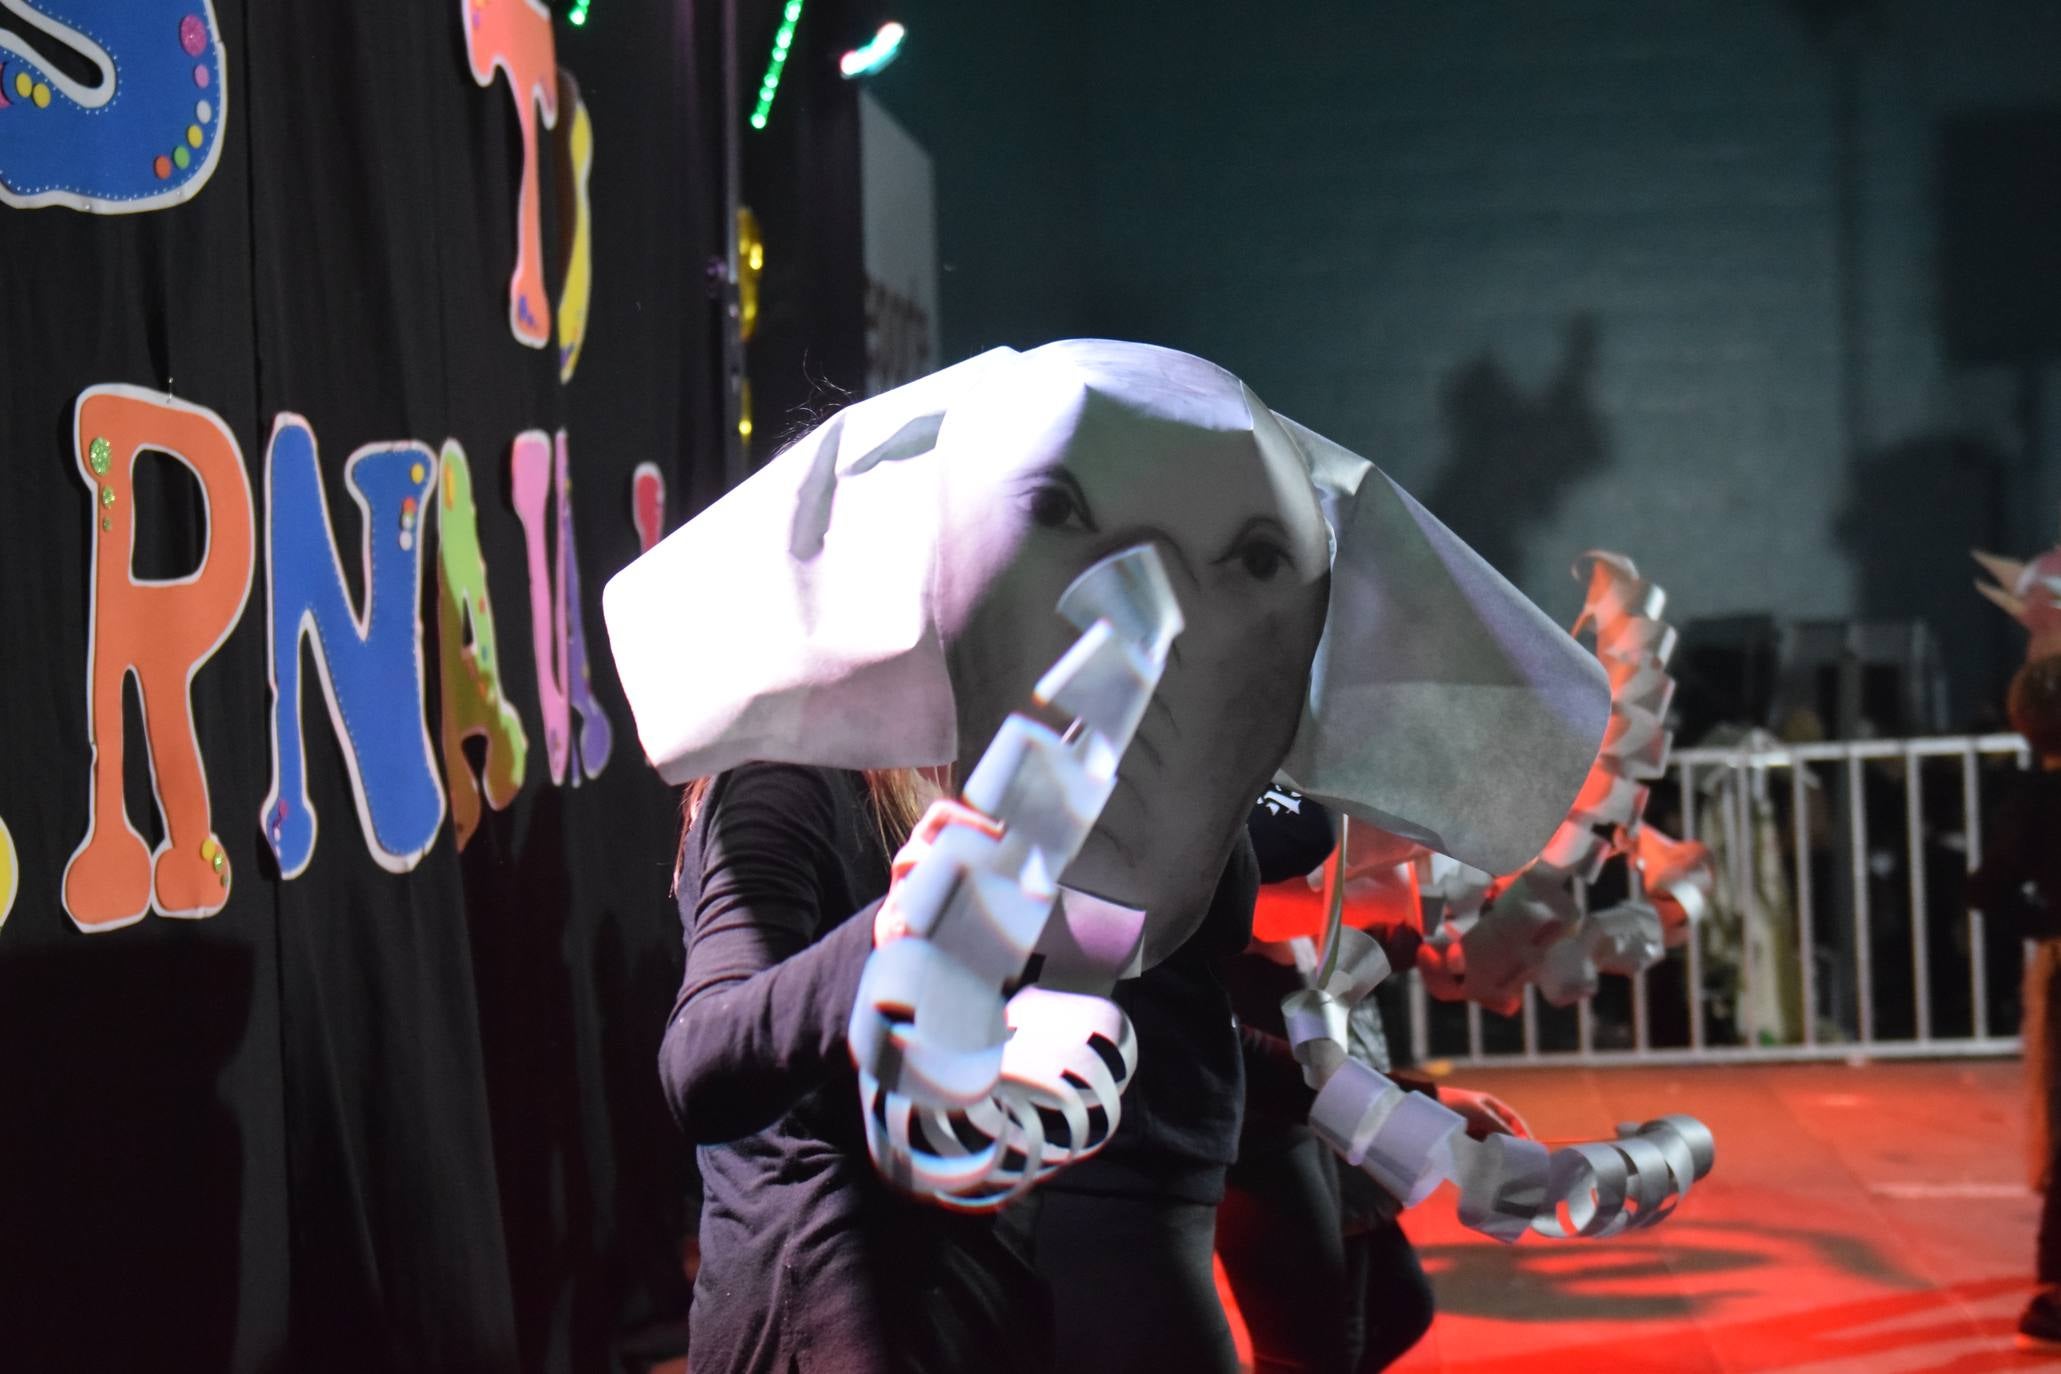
(972, 688)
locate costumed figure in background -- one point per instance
(1316, 1258)
(1024, 997)
(1523, 929)
(1528, 929)
(1498, 934)
(2018, 887)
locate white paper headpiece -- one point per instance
(798, 619)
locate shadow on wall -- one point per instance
(1512, 457)
(1998, 207)
(1911, 513)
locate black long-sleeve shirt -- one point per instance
(808, 1258)
(1181, 1114)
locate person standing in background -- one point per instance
(2019, 887)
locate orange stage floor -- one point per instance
(1861, 1220)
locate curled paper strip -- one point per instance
(1059, 1097)
(1629, 1183)
(1353, 966)
(967, 1102)
(1316, 1016)
(1626, 940)
(1679, 876)
(1409, 1144)
(1500, 934)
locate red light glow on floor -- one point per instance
(1861, 1220)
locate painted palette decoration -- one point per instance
(129, 114)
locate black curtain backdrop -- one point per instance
(357, 1120)
(808, 355)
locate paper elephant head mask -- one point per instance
(882, 594)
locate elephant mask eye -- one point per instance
(1261, 549)
(1262, 560)
(1056, 502)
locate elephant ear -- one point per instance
(793, 621)
(1443, 705)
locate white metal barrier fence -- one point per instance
(1860, 918)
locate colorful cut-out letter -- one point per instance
(162, 632)
(473, 703)
(558, 636)
(143, 132)
(574, 150)
(648, 503)
(515, 36)
(370, 664)
(10, 873)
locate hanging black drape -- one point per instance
(801, 178)
(357, 1120)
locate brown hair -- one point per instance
(895, 797)
(2034, 705)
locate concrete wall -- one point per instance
(1654, 276)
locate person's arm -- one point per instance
(1274, 1085)
(764, 1005)
(1485, 1113)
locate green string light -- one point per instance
(578, 17)
(783, 40)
